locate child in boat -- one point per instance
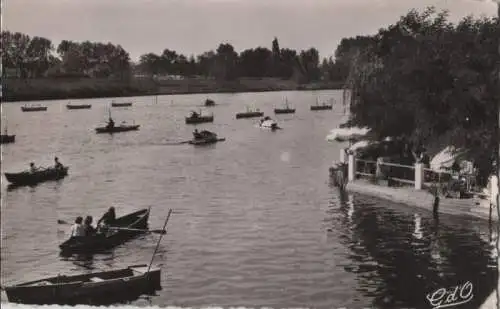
(89, 229)
(77, 229)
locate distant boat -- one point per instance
(33, 108)
(91, 289)
(5, 138)
(249, 114)
(78, 106)
(285, 110)
(195, 118)
(205, 137)
(117, 129)
(121, 104)
(318, 107)
(41, 175)
(209, 102)
(268, 123)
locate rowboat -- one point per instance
(321, 107)
(130, 226)
(123, 104)
(31, 178)
(204, 138)
(79, 106)
(117, 129)
(5, 138)
(33, 108)
(249, 114)
(268, 123)
(197, 118)
(284, 110)
(98, 288)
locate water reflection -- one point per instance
(400, 258)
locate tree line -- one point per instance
(425, 79)
(34, 57)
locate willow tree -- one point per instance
(425, 79)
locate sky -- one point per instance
(196, 26)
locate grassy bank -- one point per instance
(84, 88)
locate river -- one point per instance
(255, 220)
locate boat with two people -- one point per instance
(195, 118)
(78, 106)
(249, 113)
(285, 110)
(321, 107)
(209, 102)
(112, 128)
(204, 137)
(97, 288)
(33, 108)
(268, 123)
(38, 174)
(110, 232)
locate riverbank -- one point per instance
(475, 207)
(15, 90)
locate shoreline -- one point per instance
(15, 90)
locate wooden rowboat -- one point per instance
(133, 225)
(99, 288)
(197, 118)
(5, 138)
(123, 104)
(33, 108)
(79, 106)
(117, 129)
(32, 178)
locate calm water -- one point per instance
(255, 223)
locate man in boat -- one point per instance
(111, 123)
(58, 164)
(194, 114)
(196, 134)
(87, 225)
(108, 218)
(77, 229)
(33, 168)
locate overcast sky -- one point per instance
(195, 26)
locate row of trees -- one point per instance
(32, 57)
(225, 63)
(424, 78)
(36, 56)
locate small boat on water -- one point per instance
(249, 114)
(209, 102)
(205, 137)
(33, 108)
(195, 118)
(321, 107)
(268, 123)
(78, 106)
(285, 110)
(123, 229)
(6, 139)
(121, 104)
(117, 129)
(97, 288)
(31, 178)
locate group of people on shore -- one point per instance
(84, 228)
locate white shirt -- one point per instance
(77, 230)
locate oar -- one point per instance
(137, 230)
(158, 244)
(124, 228)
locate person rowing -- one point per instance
(33, 168)
(106, 220)
(58, 164)
(111, 123)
